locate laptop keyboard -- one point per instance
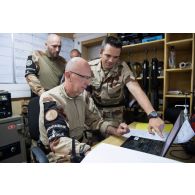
(144, 145)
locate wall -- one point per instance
(79, 37)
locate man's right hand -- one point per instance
(122, 129)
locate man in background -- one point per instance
(75, 53)
(44, 70)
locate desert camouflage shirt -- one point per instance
(107, 87)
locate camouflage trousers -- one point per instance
(63, 149)
(52, 157)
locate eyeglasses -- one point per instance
(82, 76)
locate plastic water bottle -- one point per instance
(172, 63)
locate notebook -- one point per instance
(155, 147)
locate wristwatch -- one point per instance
(153, 114)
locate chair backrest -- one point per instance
(33, 118)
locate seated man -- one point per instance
(66, 111)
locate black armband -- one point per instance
(31, 67)
(54, 122)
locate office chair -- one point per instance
(38, 153)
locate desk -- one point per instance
(174, 151)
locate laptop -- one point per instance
(155, 147)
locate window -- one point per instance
(14, 49)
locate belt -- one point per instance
(110, 114)
(108, 106)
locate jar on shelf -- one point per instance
(172, 57)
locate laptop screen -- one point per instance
(172, 134)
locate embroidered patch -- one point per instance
(51, 115)
(29, 62)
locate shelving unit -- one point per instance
(179, 79)
(137, 53)
(172, 79)
(158, 44)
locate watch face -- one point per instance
(153, 114)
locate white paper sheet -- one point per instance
(185, 133)
(106, 153)
(145, 134)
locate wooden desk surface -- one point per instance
(175, 152)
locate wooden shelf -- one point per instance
(181, 44)
(178, 36)
(179, 70)
(144, 46)
(177, 96)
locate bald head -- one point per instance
(77, 64)
(53, 38)
(53, 45)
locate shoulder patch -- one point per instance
(29, 62)
(51, 115)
